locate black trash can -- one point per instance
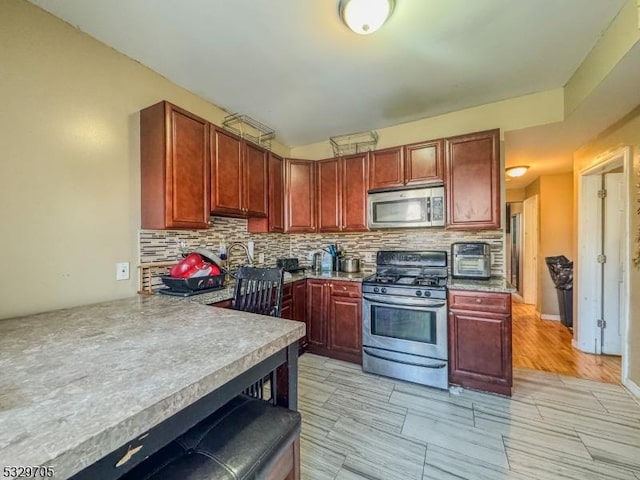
(561, 270)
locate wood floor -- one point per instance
(358, 426)
(546, 345)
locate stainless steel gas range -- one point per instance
(404, 317)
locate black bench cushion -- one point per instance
(235, 442)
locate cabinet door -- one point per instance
(286, 310)
(174, 167)
(222, 304)
(255, 181)
(226, 173)
(424, 163)
(300, 196)
(274, 223)
(355, 175)
(317, 323)
(300, 309)
(386, 168)
(473, 181)
(328, 195)
(345, 327)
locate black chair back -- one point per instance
(258, 290)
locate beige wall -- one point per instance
(625, 133)
(512, 114)
(69, 174)
(556, 233)
(515, 195)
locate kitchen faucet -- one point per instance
(244, 248)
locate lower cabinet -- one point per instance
(334, 311)
(294, 306)
(222, 304)
(480, 341)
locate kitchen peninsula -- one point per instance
(79, 383)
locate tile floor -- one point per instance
(361, 426)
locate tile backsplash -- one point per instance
(164, 245)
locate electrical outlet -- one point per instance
(122, 271)
(368, 256)
(261, 258)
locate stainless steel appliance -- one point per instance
(349, 264)
(418, 207)
(471, 260)
(404, 317)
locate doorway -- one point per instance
(603, 263)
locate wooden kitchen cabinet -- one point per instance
(341, 192)
(480, 354)
(294, 307)
(174, 168)
(328, 195)
(299, 193)
(222, 304)
(238, 176)
(407, 166)
(274, 223)
(473, 181)
(386, 168)
(424, 163)
(334, 312)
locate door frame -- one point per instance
(586, 332)
(530, 217)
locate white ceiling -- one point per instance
(294, 66)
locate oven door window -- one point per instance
(400, 211)
(404, 324)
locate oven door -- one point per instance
(415, 326)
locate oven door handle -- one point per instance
(414, 364)
(410, 302)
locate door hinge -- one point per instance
(602, 193)
(602, 324)
(602, 259)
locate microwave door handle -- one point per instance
(404, 362)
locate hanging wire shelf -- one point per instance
(354, 142)
(249, 129)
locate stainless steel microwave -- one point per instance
(417, 207)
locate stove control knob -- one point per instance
(383, 290)
(419, 293)
(376, 290)
(427, 293)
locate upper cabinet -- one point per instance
(341, 192)
(473, 181)
(238, 176)
(355, 181)
(300, 202)
(410, 165)
(174, 168)
(424, 163)
(386, 168)
(274, 223)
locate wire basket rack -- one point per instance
(249, 129)
(354, 142)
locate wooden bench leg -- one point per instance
(287, 466)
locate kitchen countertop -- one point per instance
(226, 293)
(78, 383)
(494, 284)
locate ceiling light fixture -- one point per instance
(365, 16)
(518, 171)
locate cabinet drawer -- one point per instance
(480, 301)
(345, 289)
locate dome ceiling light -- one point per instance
(515, 172)
(365, 16)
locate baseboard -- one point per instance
(547, 316)
(633, 388)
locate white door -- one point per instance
(530, 250)
(612, 268)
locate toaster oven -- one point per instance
(471, 260)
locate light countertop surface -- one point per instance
(494, 284)
(78, 383)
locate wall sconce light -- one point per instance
(365, 16)
(515, 172)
